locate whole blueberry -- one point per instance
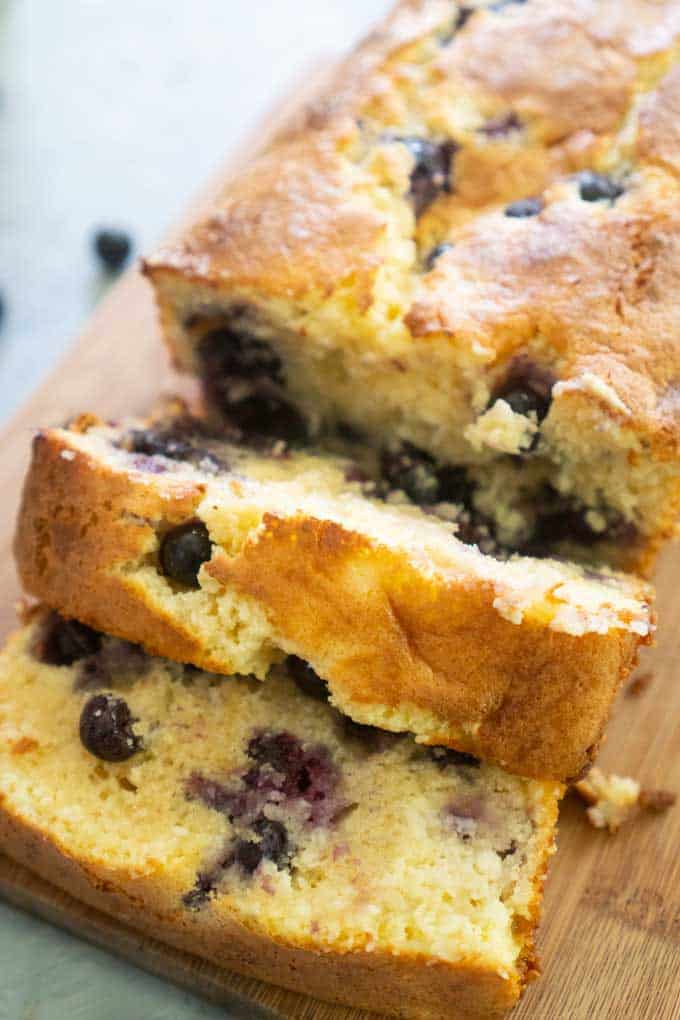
(595, 187)
(527, 387)
(248, 855)
(306, 679)
(112, 247)
(372, 739)
(183, 551)
(106, 728)
(454, 485)
(413, 471)
(232, 352)
(524, 207)
(432, 169)
(264, 413)
(63, 642)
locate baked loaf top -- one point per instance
(231, 558)
(485, 199)
(252, 825)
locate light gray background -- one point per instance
(115, 111)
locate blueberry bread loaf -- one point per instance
(232, 558)
(469, 250)
(252, 825)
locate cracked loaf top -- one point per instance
(486, 196)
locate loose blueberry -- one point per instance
(524, 208)
(435, 253)
(106, 728)
(113, 248)
(63, 642)
(595, 187)
(431, 174)
(306, 679)
(183, 551)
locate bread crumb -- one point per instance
(501, 429)
(612, 799)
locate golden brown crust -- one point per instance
(295, 191)
(441, 647)
(76, 520)
(381, 630)
(593, 281)
(400, 986)
(588, 289)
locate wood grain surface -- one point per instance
(611, 937)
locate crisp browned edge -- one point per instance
(406, 637)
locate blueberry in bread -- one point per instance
(486, 201)
(250, 827)
(233, 557)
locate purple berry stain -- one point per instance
(285, 775)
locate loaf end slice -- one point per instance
(250, 825)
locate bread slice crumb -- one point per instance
(613, 800)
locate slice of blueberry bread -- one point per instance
(469, 250)
(232, 558)
(253, 825)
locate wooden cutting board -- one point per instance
(611, 938)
